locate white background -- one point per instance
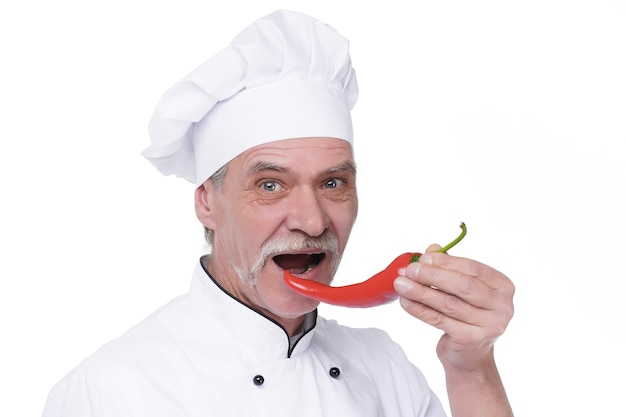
(509, 116)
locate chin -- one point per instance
(294, 306)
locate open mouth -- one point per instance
(299, 263)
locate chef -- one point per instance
(264, 131)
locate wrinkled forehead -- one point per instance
(309, 153)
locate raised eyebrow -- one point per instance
(265, 166)
(345, 167)
(270, 166)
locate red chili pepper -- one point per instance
(375, 291)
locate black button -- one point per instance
(334, 372)
(258, 380)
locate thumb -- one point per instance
(433, 248)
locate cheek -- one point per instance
(355, 212)
(344, 221)
(242, 230)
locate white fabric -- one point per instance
(286, 76)
(197, 357)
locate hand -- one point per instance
(471, 302)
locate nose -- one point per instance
(306, 212)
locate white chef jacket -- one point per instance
(207, 354)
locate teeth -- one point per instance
(305, 270)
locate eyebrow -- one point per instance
(347, 166)
(265, 166)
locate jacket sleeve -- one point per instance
(69, 398)
(100, 390)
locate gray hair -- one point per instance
(218, 183)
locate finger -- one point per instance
(489, 276)
(433, 248)
(448, 282)
(440, 304)
(466, 334)
(463, 321)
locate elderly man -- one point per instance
(264, 131)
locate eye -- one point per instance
(270, 186)
(333, 183)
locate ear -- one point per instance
(204, 204)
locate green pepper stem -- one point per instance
(449, 246)
(455, 241)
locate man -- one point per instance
(264, 131)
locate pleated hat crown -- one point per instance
(286, 76)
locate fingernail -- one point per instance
(426, 259)
(412, 270)
(403, 284)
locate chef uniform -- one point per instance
(206, 353)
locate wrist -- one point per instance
(464, 361)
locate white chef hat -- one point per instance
(286, 76)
